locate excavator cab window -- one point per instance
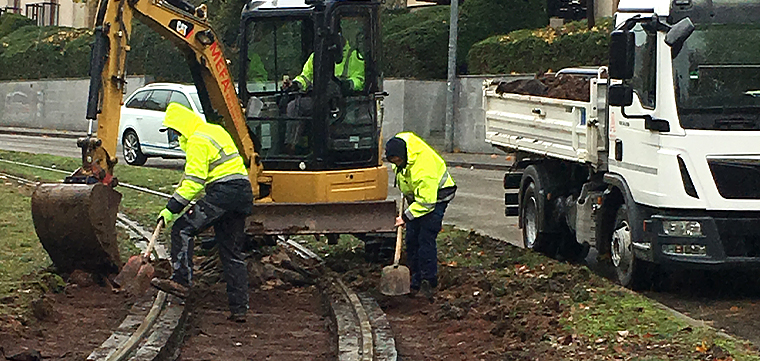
(310, 80)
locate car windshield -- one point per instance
(717, 77)
(196, 101)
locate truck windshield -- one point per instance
(717, 77)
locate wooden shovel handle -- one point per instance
(153, 239)
(397, 256)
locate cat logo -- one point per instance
(183, 28)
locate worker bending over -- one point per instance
(425, 182)
(213, 163)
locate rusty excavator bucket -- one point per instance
(76, 224)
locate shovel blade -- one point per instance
(141, 282)
(129, 271)
(394, 280)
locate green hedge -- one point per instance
(415, 45)
(10, 22)
(541, 50)
(33, 52)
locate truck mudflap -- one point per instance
(710, 241)
(322, 218)
(76, 224)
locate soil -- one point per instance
(282, 324)
(499, 302)
(67, 325)
(549, 85)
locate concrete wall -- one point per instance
(49, 104)
(420, 106)
(412, 105)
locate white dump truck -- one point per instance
(660, 165)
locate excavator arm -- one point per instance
(75, 220)
(188, 29)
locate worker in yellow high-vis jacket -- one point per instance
(214, 164)
(425, 182)
(349, 72)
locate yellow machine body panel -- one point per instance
(366, 184)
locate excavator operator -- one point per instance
(350, 74)
(213, 163)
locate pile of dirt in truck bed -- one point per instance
(549, 85)
(499, 302)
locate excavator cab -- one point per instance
(329, 120)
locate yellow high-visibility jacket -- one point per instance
(425, 180)
(211, 155)
(351, 68)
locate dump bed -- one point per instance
(571, 130)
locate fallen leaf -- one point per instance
(701, 348)
(734, 309)
(623, 333)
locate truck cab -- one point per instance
(685, 150)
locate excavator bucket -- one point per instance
(76, 224)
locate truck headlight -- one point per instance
(682, 228)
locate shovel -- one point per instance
(136, 274)
(395, 278)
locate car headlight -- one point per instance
(682, 228)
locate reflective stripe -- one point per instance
(443, 179)
(408, 214)
(223, 156)
(230, 177)
(427, 205)
(345, 66)
(180, 199)
(195, 179)
(447, 198)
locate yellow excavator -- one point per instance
(313, 152)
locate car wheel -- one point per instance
(131, 148)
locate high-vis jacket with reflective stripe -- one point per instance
(211, 155)
(351, 68)
(425, 178)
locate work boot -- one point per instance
(237, 317)
(413, 292)
(427, 290)
(171, 287)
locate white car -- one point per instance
(141, 118)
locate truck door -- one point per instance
(633, 148)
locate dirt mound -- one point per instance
(549, 85)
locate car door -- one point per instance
(171, 138)
(132, 112)
(155, 106)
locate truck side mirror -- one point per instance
(621, 54)
(621, 95)
(679, 32)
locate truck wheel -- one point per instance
(532, 238)
(131, 148)
(621, 249)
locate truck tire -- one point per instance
(530, 212)
(133, 154)
(629, 271)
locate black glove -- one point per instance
(294, 87)
(346, 87)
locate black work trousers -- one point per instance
(421, 248)
(224, 207)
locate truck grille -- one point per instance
(740, 237)
(736, 178)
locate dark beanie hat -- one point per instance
(396, 147)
